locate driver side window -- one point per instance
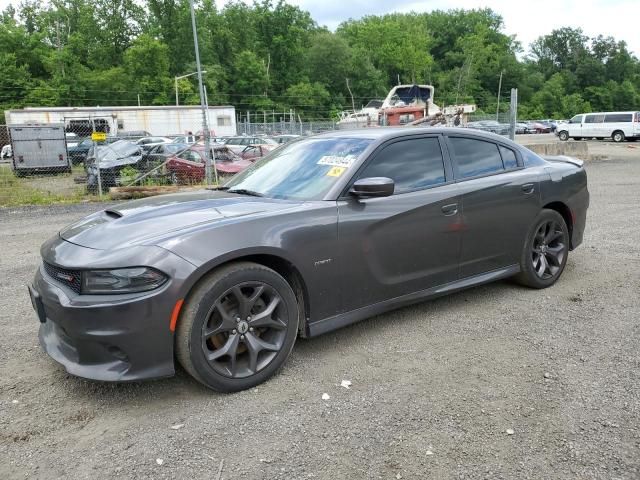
(412, 164)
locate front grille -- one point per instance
(69, 278)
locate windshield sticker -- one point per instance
(337, 160)
(336, 171)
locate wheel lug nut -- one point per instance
(241, 337)
(251, 329)
(234, 331)
(248, 318)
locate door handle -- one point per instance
(450, 209)
(528, 188)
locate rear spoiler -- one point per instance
(564, 159)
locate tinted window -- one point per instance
(508, 158)
(412, 164)
(191, 156)
(618, 117)
(593, 118)
(476, 157)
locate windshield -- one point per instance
(302, 170)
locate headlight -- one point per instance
(121, 280)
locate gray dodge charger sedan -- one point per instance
(321, 233)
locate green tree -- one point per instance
(146, 63)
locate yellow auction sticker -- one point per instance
(335, 171)
(98, 136)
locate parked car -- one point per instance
(521, 128)
(285, 138)
(6, 152)
(189, 166)
(540, 127)
(491, 126)
(132, 135)
(149, 142)
(72, 139)
(253, 152)
(619, 126)
(162, 151)
(237, 144)
(328, 231)
(78, 153)
(111, 159)
(190, 139)
(159, 154)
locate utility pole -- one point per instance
(213, 156)
(513, 113)
(205, 127)
(499, 91)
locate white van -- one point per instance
(615, 125)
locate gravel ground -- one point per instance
(494, 382)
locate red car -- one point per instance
(189, 166)
(254, 152)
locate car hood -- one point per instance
(144, 221)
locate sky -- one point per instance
(526, 19)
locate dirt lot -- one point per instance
(435, 386)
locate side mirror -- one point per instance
(372, 187)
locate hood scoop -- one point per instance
(113, 214)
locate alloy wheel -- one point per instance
(244, 330)
(548, 250)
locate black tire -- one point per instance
(577, 138)
(617, 136)
(545, 251)
(210, 328)
(563, 135)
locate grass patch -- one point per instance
(42, 190)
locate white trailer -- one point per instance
(158, 121)
(39, 148)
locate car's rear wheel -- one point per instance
(545, 251)
(618, 136)
(564, 136)
(237, 327)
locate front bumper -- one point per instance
(110, 337)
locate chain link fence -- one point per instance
(286, 127)
(94, 157)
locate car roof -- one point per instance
(385, 133)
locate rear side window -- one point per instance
(508, 158)
(476, 157)
(412, 164)
(593, 118)
(618, 117)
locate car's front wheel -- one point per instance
(564, 136)
(545, 251)
(237, 327)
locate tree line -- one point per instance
(273, 56)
